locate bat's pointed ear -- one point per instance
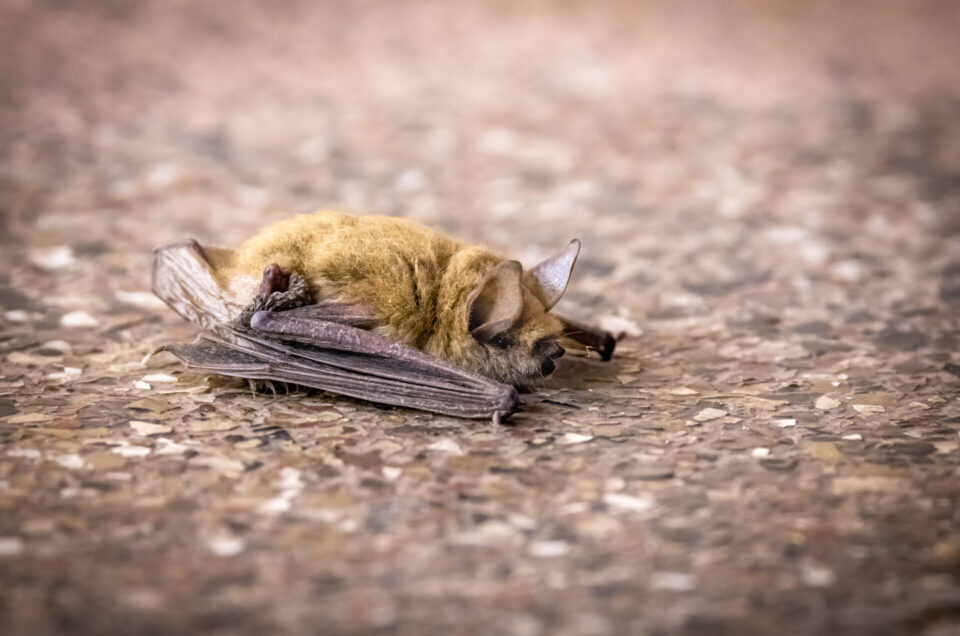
(549, 279)
(496, 303)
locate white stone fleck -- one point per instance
(25, 453)
(446, 445)
(849, 270)
(159, 378)
(391, 473)
(53, 258)
(68, 373)
(853, 437)
(760, 452)
(226, 546)
(131, 451)
(787, 422)
(868, 408)
(140, 384)
(71, 461)
(575, 438)
(672, 581)
(60, 345)
(815, 575)
(11, 546)
(410, 181)
(167, 446)
(163, 175)
(290, 486)
(16, 315)
(549, 549)
(629, 502)
(78, 318)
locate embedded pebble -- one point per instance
(78, 319)
(225, 546)
(53, 258)
(672, 581)
(708, 414)
(159, 378)
(825, 403)
(10, 546)
(549, 549)
(628, 502)
(149, 428)
(131, 450)
(575, 438)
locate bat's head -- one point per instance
(513, 337)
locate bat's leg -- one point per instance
(593, 338)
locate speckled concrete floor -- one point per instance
(769, 200)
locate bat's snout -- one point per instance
(550, 352)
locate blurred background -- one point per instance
(768, 195)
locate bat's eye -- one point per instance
(501, 341)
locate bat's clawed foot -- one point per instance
(280, 290)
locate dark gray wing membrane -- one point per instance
(318, 346)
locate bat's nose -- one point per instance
(553, 351)
(550, 352)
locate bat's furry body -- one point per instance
(377, 308)
(415, 280)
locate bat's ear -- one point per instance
(549, 279)
(496, 303)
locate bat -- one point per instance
(376, 308)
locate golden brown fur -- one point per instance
(416, 280)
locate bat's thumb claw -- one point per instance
(509, 401)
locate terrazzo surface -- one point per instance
(768, 197)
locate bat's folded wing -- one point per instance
(319, 346)
(370, 369)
